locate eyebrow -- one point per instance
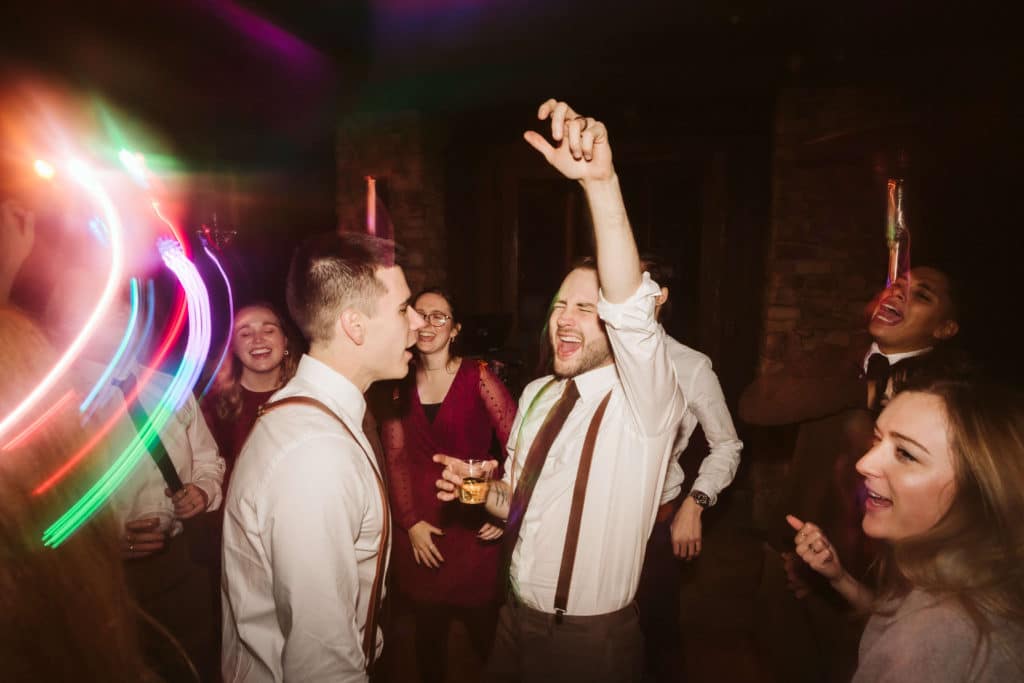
(260, 324)
(904, 437)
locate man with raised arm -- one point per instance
(589, 448)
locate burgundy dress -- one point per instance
(230, 434)
(476, 408)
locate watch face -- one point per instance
(703, 499)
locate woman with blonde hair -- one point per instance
(263, 358)
(65, 612)
(945, 494)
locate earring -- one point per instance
(286, 352)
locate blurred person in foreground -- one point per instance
(164, 541)
(65, 613)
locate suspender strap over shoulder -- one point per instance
(579, 494)
(370, 631)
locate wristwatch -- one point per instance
(703, 499)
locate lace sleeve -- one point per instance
(499, 403)
(392, 437)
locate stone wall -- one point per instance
(402, 150)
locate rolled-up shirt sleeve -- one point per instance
(207, 464)
(315, 509)
(704, 397)
(642, 359)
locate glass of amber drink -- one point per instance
(475, 483)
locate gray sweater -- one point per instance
(934, 640)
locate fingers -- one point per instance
(537, 141)
(490, 532)
(142, 543)
(560, 113)
(188, 502)
(430, 555)
(145, 524)
(795, 522)
(546, 108)
(449, 476)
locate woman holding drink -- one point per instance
(446, 562)
(945, 493)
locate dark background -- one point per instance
(255, 90)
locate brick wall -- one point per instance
(827, 256)
(403, 151)
(833, 151)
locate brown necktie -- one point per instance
(531, 471)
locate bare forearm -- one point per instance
(618, 262)
(499, 495)
(853, 591)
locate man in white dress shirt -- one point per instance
(304, 517)
(606, 344)
(678, 531)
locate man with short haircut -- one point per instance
(306, 522)
(589, 448)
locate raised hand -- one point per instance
(423, 549)
(582, 152)
(815, 550)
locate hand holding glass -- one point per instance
(475, 482)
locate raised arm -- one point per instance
(584, 154)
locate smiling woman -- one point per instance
(945, 483)
(264, 357)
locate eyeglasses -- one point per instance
(436, 318)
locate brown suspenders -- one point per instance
(579, 494)
(370, 631)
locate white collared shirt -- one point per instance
(302, 525)
(893, 358)
(186, 438)
(627, 474)
(705, 405)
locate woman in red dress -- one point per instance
(445, 555)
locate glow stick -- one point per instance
(125, 338)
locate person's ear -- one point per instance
(455, 330)
(662, 297)
(352, 324)
(946, 330)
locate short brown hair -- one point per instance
(330, 273)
